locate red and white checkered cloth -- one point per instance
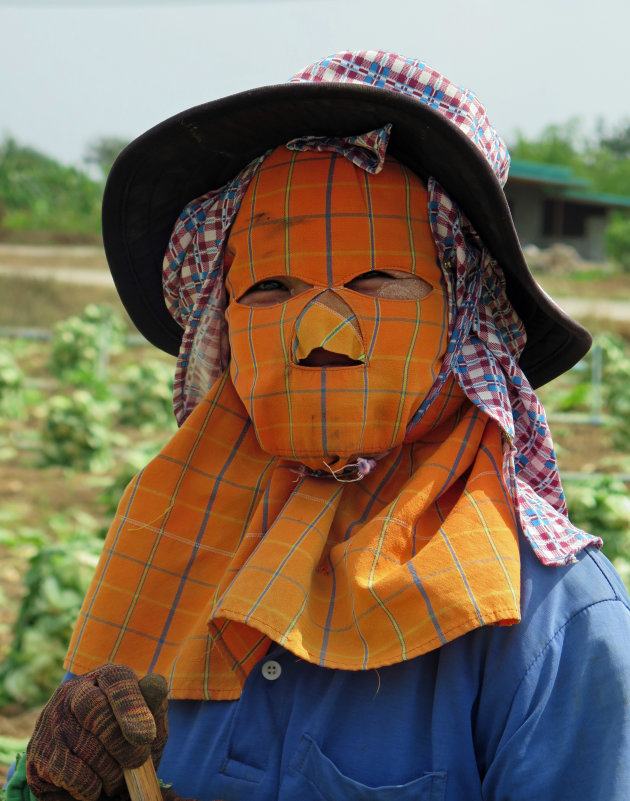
(396, 73)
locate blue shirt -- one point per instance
(533, 711)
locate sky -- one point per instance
(74, 71)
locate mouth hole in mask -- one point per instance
(320, 357)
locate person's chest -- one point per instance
(302, 732)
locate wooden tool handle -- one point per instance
(142, 782)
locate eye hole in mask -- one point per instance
(393, 285)
(390, 284)
(274, 290)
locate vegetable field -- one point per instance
(84, 405)
(94, 412)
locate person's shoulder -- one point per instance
(560, 592)
(584, 602)
(557, 683)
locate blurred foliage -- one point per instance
(80, 424)
(557, 144)
(601, 506)
(575, 391)
(11, 750)
(617, 240)
(603, 158)
(616, 387)
(82, 345)
(100, 418)
(102, 152)
(39, 193)
(600, 503)
(11, 386)
(57, 578)
(77, 431)
(146, 396)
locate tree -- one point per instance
(617, 142)
(39, 193)
(557, 144)
(103, 151)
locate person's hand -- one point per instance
(94, 726)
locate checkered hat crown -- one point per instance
(399, 74)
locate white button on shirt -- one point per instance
(271, 670)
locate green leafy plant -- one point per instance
(616, 388)
(601, 506)
(11, 386)
(146, 396)
(570, 395)
(56, 581)
(575, 391)
(10, 748)
(617, 241)
(39, 193)
(82, 346)
(77, 431)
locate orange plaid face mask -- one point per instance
(337, 313)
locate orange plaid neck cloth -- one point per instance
(225, 542)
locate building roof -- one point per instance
(596, 198)
(559, 180)
(552, 174)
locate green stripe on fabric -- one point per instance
(370, 584)
(403, 388)
(337, 329)
(293, 622)
(412, 244)
(482, 520)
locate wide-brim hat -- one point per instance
(203, 147)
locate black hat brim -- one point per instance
(202, 148)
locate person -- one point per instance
(352, 565)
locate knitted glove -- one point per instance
(92, 727)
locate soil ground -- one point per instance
(31, 302)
